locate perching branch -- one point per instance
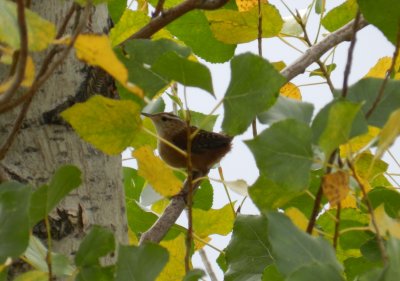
(173, 13)
(178, 203)
(314, 53)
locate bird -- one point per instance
(207, 148)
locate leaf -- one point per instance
(36, 256)
(175, 268)
(142, 263)
(96, 50)
(248, 252)
(384, 14)
(392, 272)
(380, 69)
(40, 31)
(340, 15)
(281, 150)
(307, 254)
(389, 133)
(254, 84)
(233, 27)
(198, 119)
(336, 123)
(116, 8)
(158, 174)
(203, 198)
(187, 72)
(214, 221)
(336, 186)
(46, 197)
(286, 108)
(133, 184)
(194, 30)
(271, 273)
(290, 25)
(240, 186)
(14, 219)
(390, 199)
(371, 169)
(290, 90)
(354, 267)
(246, 5)
(366, 90)
(358, 143)
(98, 243)
(108, 124)
(329, 69)
(386, 224)
(139, 220)
(194, 275)
(33, 275)
(129, 23)
(96, 272)
(298, 218)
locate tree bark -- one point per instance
(40, 148)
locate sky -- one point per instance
(239, 163)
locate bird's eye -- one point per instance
(164, 118)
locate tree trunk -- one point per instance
(40, 148)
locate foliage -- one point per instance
(304, 162)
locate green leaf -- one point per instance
(340, 15)
(40, 31)
(213, 221)
(46, 197)
(370, 250)
(194, 275)
(336, 123)
(271, 273)
(98, 243)
(354, 267)
(203, 198)
(366, 91)
(248, 252)
(33, 275)
(142, 263)
(320, 6)
(133, 184)
(371, 169)
(96, 272)
(384, 14)
(185, 71)
(287, 108)
(221, 261)
(193, 29)
(198, 119)
(116, 8)
(392, 272)
(254, 85)
(284, 149)
(36, 255)
(318, 72)
(307, 253)
(389, 197)
(108, 124)
(233, 27)
(14, 219)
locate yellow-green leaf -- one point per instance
(233, 27)
(389, 133)
(109, 125)
(290, 90)
(213, 221)
(34, 275)
(158, 174)
(359, 142)
(40, 31)
(175, 268)
(28, 77)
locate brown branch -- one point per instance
(189, 166)
(372, 214)
(207, 265)
(388, 73)
(337, 225)
(350, 55)
(160, 228)
(22, 54)
(173, 13)
(159, 8)
(316, 51)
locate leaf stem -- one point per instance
(221, 176)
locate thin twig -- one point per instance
(207, 265)
(372, 214)
(337, 225)
(350, 55)
(22, 54)
(49, 248)
(221, 176)
(387, 76)
(159, 8)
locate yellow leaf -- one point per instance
(213, 221)
(246, 5)
(382, 66)
(290, 90)
(298, 218)
(349, 201)
(159, 206)
(28, 77)
(175, 268)
(389, 133)
(200, 244)
(385, 223)
(336, 186)
(133, 239)
(158, 174)
(359, 142)
(96, 50)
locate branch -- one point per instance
(160, 228)
(314, 53)
(173, 13)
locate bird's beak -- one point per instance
(147, 114)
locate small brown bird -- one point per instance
(207, 148)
